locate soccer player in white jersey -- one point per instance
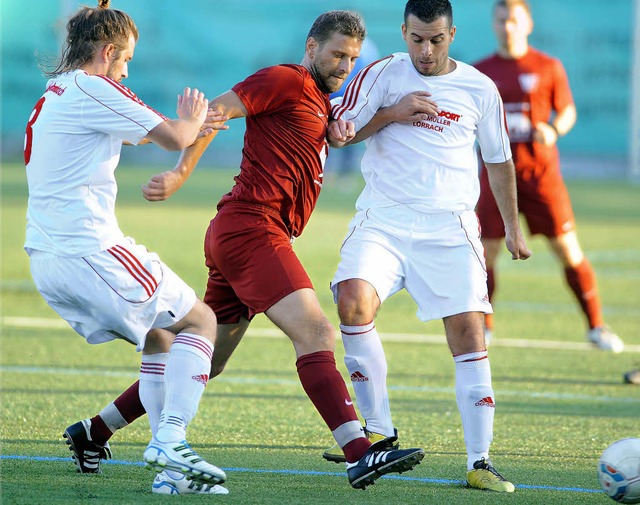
(415, 226)
(101, 282)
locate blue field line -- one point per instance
(313, 472)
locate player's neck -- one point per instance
(514, 51)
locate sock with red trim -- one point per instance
(152, 390)
(367, 365)
(475, 399)
(185, 377)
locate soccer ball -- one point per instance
(619, 470)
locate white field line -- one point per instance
(547, 395)
(416, 338)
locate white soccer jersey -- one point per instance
(72, 148)
(431, 165)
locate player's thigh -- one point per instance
(446, 272)
(122, 292)
(250, 255)
(372, 253)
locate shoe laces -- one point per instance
(184, 449)
(199, 487)
(484, 464)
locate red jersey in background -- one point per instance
(531, 88)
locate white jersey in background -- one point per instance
(431, 166)
(72, 148)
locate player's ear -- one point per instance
(311, 47)
(107, 52)
(452, 32)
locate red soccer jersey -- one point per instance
(531, 88)
(285, 143)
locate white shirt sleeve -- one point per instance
(493, 136)
(111, 108)
(364, 95)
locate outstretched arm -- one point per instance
(176, 134)
(502, 178)
(163, 185)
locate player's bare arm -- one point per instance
(412, 107)
(502, 178)
(549, 133)
(177, 134)
(163, 185)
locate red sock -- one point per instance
(130, 408)
(491, 287)
(583, 283)
(99, 431)
(326, 389)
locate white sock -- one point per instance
(367, 365)
(475, 398)
(152, 389)
(185, 376)
(112, 417)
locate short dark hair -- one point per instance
(87, 30)
(508, 4)
(347, 23)
(429, 10)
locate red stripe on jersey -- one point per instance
(129, 94)
(135, 268)
(353, 89)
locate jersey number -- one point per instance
(28, 136)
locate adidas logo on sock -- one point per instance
(487, 401)
(201, 378)
(358, 377)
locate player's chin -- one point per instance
(333, 83)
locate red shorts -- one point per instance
(251, 262)
(542, 199)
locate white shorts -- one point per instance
(122, 292)
(437, 258)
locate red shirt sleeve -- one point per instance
(562, 96)
(282, 91)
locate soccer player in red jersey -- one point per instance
(539, 109)
(248, 246)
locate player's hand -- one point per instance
(215, 121)
(413, 107)
(340, 132)
(516, 244)
(162, 186)
(192, 106)
(545, 134)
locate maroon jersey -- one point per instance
(284, 145)
(531, 88)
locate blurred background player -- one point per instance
(248, 247)
(102, 283)
(415, 227)
(540, 110)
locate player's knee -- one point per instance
(356, 306)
